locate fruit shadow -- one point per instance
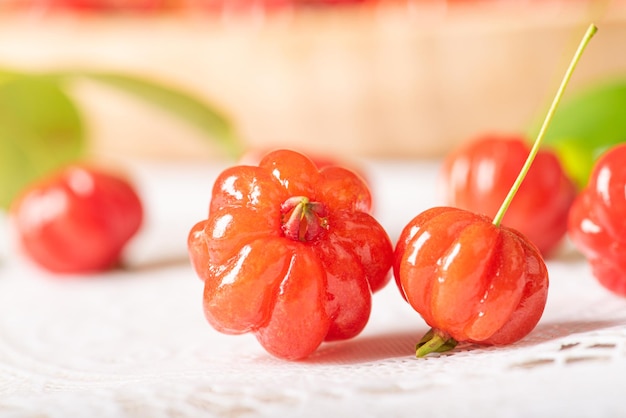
(401, 344)
(368, 348)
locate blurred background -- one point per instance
(364, 78)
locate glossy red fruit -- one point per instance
(290, 253)
(77, 220)
(597, 220)
(478, 175)
(470, 280)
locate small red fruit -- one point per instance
(469, 279)
(478, 175)
(77, 220)
(597, 220)
(290, 253)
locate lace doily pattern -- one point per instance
(134, 343)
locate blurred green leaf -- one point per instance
(189, 108)
(6, 75)
(40, 130)
(41, 127)
(585, 126)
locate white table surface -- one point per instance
(134, 343)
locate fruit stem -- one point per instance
(434, 341)
(303, 220)
(533, 152)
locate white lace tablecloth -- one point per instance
(134, 342)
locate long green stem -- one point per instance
(533, 152)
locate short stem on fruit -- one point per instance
(303, 220)
(434, 341)
(533, 152)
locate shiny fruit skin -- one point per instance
(478, 175)
(469, 279)
(294, 281)
(77, 220)
(597, 220)
(321, 160)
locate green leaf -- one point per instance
(193, 110)
(586, 125)
(40, 129)
(7, 75)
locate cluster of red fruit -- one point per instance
(470, 279)
(214, 6)
(291, 252)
